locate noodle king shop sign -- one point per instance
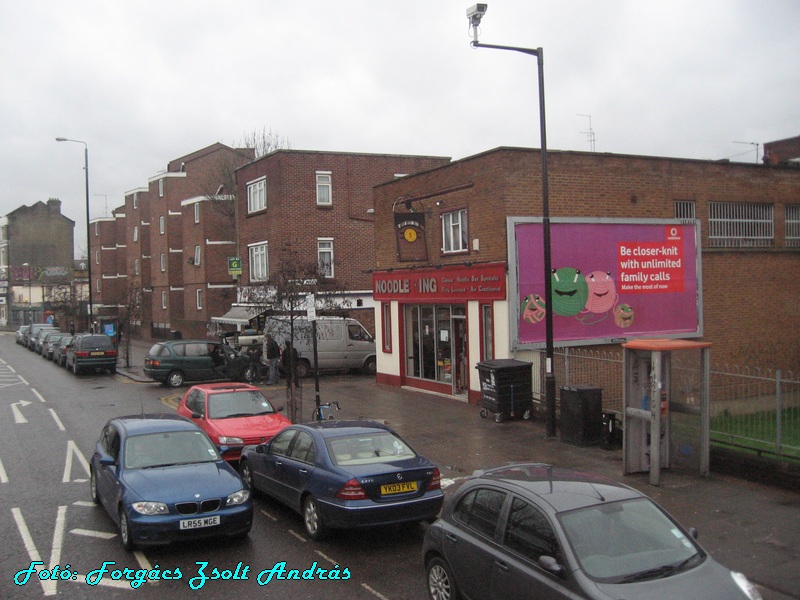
(446, 284)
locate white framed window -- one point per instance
(454, 231)
(792, 225)
(257, 195)
(162, 224)
(325, 256)
(135, 199)
(163, 262)
(97, 257)
(196, 258)
(135, 233)
(160, 188)
(324, 188)
(740, 225)
(136, 266)
(163, 299)
(196, 212)
(96, 228)
(199, 298)
(97, 287)
(259, 261)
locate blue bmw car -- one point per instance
(344, 474)
(161, 479)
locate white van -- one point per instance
(342, 343)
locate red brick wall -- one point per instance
(751, 297)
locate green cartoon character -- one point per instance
(570, 291)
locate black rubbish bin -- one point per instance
(582, 415)
(176, 335)
(506, 388)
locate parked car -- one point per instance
(60, 350)
(174, 362)
(161, 479)
(22, 333)
(91, 351)
(35, 331)
(344, 474)
(537, 531)
(233, 415)
(47, 343)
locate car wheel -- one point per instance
(247, 475)
(112, 370)
(175, 379)
(312, 520)
(302, 369)
(75, 368)
(371, 366)
(125, 535)
(93, 487)
(441, 585)
(527, 415)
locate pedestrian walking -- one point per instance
(290, 358)
(273, 354)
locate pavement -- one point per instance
(747, 526)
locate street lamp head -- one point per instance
(60, 139)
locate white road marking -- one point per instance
(375, 593)
(56, 419)
(266, 514)
(103, 535)
(74, 452)
(3, 474)
(328, 558)
(298, 536)
(18, 416)
(48, 585)
(38, 395)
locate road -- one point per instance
(49, 424)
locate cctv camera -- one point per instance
(476, 12)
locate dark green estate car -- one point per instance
(174, 362)
(91, 351)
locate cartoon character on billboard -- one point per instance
(533, 308)
(570, 291)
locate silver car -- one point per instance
(536, 531)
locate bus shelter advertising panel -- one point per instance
(612, 280)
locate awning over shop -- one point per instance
(237, 315)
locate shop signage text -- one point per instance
(482, 282)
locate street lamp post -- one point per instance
(88, 235)
(30, 294)
(475, 14)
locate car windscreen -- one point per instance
(367, 448)
(165, 449)
(243, 403)
(627, 541)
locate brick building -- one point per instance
(318, 206)
(450, 223)
(36, 248)
(142, 266)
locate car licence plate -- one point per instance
(398, 488)
(198, 523)
(97, 353)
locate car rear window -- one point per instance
(378, 447)
(158, 350)
(101, 342)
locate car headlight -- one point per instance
(239, 497)
(744, 584)
(150, 508)
(230, 440)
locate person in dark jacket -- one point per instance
(290, 358)
(272, 352)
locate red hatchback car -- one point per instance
(233, 415)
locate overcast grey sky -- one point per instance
(144, 82)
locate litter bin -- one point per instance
(506, 389)
(582, 415)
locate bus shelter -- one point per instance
(666, 401)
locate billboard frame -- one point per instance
(514, 280)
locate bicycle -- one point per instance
(324, 412)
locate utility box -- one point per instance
(506, 388)
(582, 415)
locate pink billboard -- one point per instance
(612, 280)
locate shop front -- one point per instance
(436, 324)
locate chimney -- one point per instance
(54, 206)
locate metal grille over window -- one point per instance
(740, 225)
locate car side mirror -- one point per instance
(107, 461)
(550, 564)
(694, 533)
(261, 449)
(279, 408)
(197, 415)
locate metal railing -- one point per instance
(750, 408)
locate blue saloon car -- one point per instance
(344, 474)
(161, 479)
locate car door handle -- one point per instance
(304, 471)
(451, 538)
(278, 463)
(501, 565)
